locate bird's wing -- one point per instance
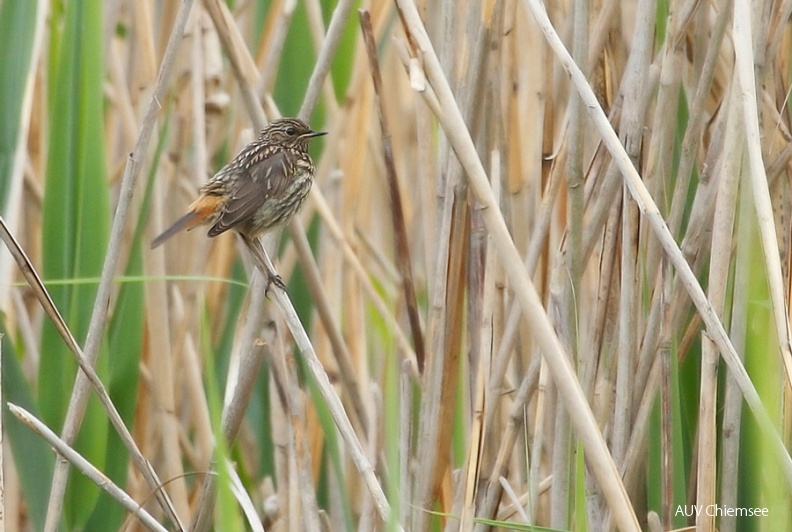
(265, 179)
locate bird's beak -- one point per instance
(312, 134)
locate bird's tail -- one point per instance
(188, 221)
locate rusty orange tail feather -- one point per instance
(200, 210)
(188, 221)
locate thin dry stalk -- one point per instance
(341, 351)
(441, 377)
(234, 410)
(480, 360)
(493, 488)
(575, 190)
(323, 383)
(280, 20)
(628, 303)
(572, 305)
(405, 439)
(362, 276)
(721, 254)
(368, 515)
(535, 249)
(693, 132)
(163, 375)
(320, 73)
(196, 394)
(633, 120)
(631, 468)
(399, 228)
(242, 63)
(480, 398)
(668, 102)
(640, 82)
(285, 373)
(86, 468)
(666, 390)
(313, 9)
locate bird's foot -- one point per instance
(274, 279)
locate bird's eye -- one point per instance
(290, 131)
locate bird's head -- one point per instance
(289, 132)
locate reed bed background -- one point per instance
(544, 286)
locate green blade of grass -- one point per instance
(760, 485)
(75, 225)
(31, 454)
(17, 29)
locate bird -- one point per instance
(260, 190)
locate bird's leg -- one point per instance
(264, 262)
(272, 275)
(277, 280)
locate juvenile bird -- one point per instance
(260, 189)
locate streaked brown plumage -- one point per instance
(260, 190)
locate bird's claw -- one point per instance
(274, 279)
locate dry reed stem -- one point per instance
(721, 254)
(340, 349)
(327, 51)
(325, 388)
(86, 468)
(572, 307)
(284, 372)
(458, 261)
(163, 373)
(634, 110)
(666, 422)
(480, 395)
(272, 45)
(316, 23)
(335, 230)
(491, 498)
(397, 213)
